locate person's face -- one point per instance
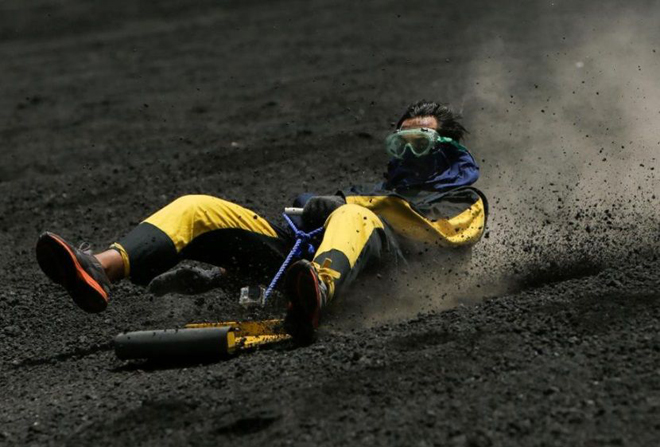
(420, 121)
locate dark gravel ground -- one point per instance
(548, 335)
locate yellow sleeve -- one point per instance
(465, 228)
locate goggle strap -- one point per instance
(456, 144)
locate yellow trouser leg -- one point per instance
(352, 239)
(202, 228)
(193, 215)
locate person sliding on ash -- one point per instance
(426, 197)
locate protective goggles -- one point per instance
(418, 141)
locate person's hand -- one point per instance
(318, 208)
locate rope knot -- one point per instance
(296, 252)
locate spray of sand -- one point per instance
(565, 124)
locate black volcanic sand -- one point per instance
(548, 335)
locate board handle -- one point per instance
(293, 211)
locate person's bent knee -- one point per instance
(192, 200)
(352, 212)
(191, 203)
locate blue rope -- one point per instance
(296, 252)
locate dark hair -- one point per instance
(448, 124)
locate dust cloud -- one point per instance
(566, 126)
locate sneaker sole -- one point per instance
(298, 322)
(305, 286)
(60, 264)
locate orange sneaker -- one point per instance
(77, 270)
(307, 294)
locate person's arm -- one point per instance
(455, 219)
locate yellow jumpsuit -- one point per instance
(219, 232)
